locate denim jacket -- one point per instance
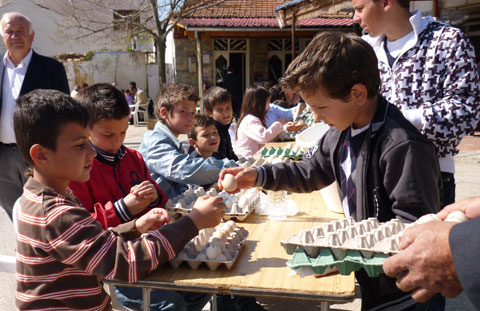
(171, 167)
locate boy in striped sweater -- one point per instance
(62, 252)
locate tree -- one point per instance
(127, 19)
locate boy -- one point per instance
(218, 105)
(203, 137)
(120, 187)
(62, 252)
(166, 160)
(385, 167)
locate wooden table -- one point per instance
(260, 268)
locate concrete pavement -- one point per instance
(468, 170)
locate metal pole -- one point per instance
(293, 35)
(200, 70)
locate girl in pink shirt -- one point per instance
(252, 132)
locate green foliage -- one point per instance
(89, 55)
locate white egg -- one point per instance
(456, 216)
(229, 183)
(427, 218)
(213, 252)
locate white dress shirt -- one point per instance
(12, 83)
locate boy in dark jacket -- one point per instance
(218, 105)
(384, 166)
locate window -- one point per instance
(126, 19)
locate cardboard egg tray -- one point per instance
(368, 237)
(293, 152)
(239, 206)
(248, 162)
(213, 246)
(346, 245)
(349, 246)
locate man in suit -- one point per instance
(441, 257)
(22, 70)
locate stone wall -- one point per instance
(258, 60)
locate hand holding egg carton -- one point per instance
(350, 246)
(239, 205)
(213, 246)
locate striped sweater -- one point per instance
(63, 253)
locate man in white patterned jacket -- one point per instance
(428, 71)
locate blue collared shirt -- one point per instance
(171, 167)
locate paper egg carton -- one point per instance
(292, 151)
(239, 205)
(248, 162)
(213, 246)
(340, 236)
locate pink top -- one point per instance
(252, 135)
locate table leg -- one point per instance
(325, 306)
(214, 306)
(146, 299)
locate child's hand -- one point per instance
(293, 127)
(146, 190)
(207, 211)
(281, 120)
(136, 204)
(245, 177)
(152, 220)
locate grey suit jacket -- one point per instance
(465, 245)
(42, 73)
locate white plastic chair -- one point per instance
(137, 111)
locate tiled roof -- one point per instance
(240, 9)
(261, 22)
(253, 14)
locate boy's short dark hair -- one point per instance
(171, 94)
(215, 95)
(201, 120)
(403, 3)
(39, 117)
(276, 93)
(336, 61)
(104, 101)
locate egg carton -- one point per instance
(293, 152)
(287, 136)
(213, 246)
(376, 242)
(239, 205)
(251, 161)
(368, 237)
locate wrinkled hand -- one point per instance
(425, 264)
(154, 219)
(470, 207)
(207, 211)
(245, 177)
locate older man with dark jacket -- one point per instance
(22, 70)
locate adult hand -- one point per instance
(470, 207)
(425, 265)
(207, 211)
(154, 219)
(245, 177)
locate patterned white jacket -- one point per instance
(435, 82)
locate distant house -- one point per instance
(244, 35)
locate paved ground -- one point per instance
(468, 170)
